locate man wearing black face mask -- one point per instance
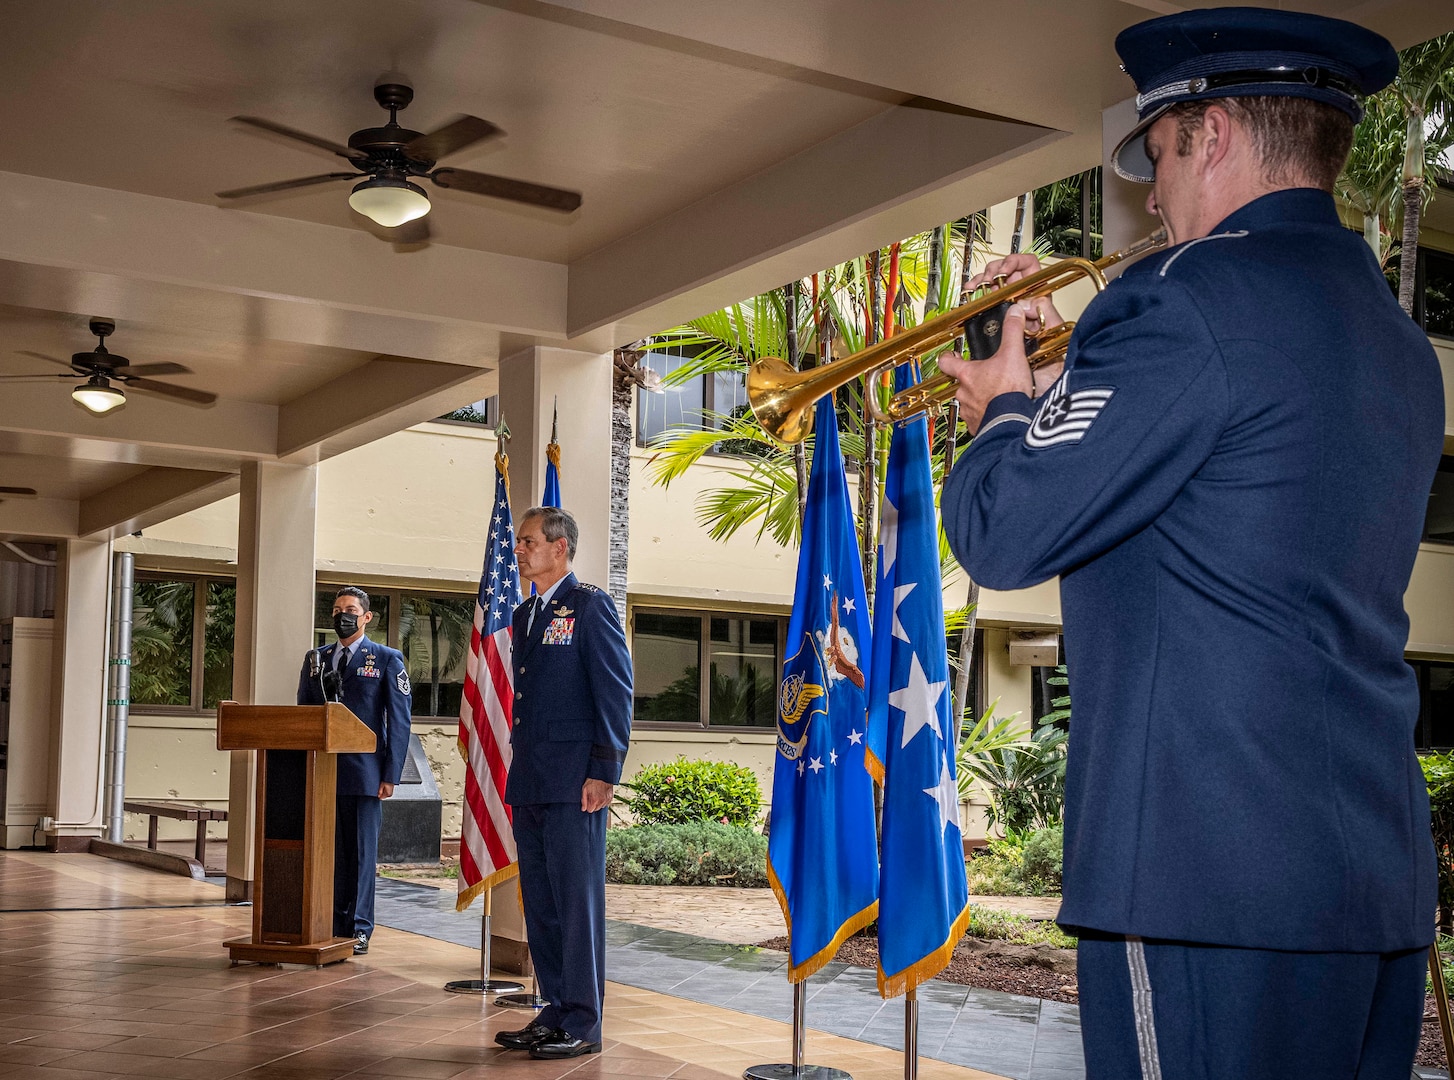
(372, 681)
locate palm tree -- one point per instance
(1425, 89)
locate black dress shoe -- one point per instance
(360, 945)
(562, 1044)
(532, 1034)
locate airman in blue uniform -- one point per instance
(372, 680)
(572, 725)
(1230, 478)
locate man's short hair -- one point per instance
(555, 523)
(1299, 141)
(355, 592)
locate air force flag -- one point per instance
(821, 856)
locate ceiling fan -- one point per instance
(100, 368)
(388, 158)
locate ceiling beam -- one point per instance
(385, 395)
(229, 429)
(892, 158)
(42, 518)
(316, 284)
(150, 497)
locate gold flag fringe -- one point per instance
(874, 766)
(552, 454)
(855, 923)
(926, 968)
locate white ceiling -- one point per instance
(721, 149)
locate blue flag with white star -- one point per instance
(821, 857)
(923, 896)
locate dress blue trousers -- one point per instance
(355, 863)
(1168, 1010)
(562, 854)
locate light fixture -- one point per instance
(389, 200)
(97, 395)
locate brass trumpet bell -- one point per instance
(782, 399)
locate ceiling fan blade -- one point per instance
(302, 136)
(284, 185)
(181, 393)
(131, 371)
(454, 136)
(47, 377)
(18, 492)
(501, 187)
(43, 356)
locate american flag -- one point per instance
(487, 846)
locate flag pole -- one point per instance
(911, 1035)
(484, 984)
(796, 1070)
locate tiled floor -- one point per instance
(1019, 1037)
(110, 971)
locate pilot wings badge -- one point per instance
(801, 696)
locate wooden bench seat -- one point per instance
(180, 812)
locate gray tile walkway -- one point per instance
(1020, 1037)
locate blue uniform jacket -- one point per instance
(1231, 480)
(376, 689)
(572, 716)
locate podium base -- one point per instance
(475, 986)
(245, 950)
(787, 1072)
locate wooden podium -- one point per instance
(297, 773)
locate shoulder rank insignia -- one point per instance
(587, 588)
(1065, 416)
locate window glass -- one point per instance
(743, 656)
(666, 657)
(378, 628)
(161, 642)
(434, 635)
(676, 406)
(1439, 704)
(1439, 518)
(972, 705)
(1049, 685)
(217, 642)
(1438, 294)
(1061, 212)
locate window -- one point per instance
(684, 406)
(1436, 704)
(181, 642)
(1433, 289)
(974, 694)
(742, 654)
(431, 629)
(1439, 518)
(485, 413)
(1068, 215)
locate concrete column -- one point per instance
(531, 382)
(78, 693)
(275, 583)
(578, 385)
(1124, 219)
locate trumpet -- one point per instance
(782, 399)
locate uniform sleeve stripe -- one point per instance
(1004, 419)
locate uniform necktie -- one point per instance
(535, 605)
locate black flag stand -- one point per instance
(797, 1070)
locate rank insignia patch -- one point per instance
(559, 632)
(402, 682)
(1066, 417)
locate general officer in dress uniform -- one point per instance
(572, 726)
(1230, 478)
(372, 681)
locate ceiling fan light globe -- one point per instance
(98, 396)
(389, 202)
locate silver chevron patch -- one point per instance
(1066, 417)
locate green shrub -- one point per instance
(1022, 864)
(696, 853)
(1439, 775)
(1016, 929)
(682, 791)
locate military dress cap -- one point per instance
(1245, 52)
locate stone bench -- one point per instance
(180, 812)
